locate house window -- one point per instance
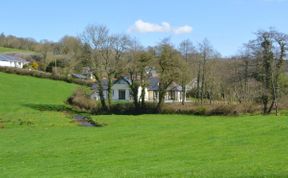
(122, 94)
(112, 92)
(171, 95)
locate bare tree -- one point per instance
(138, 63)
(106, 58)
(205, 51)
(187, 50)
(168, 69)
(97, 38)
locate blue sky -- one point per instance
(226, 23)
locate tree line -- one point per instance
(257, 75)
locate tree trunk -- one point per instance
(203, 80)
(161, 101)
(271, 107)
(143, 89)
(265, 103)
(101, 93)
(109, 94)
(143, 97)
(198, 83)
(134, 90)
(183, 94)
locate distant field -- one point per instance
(13, 50)
(49, 145)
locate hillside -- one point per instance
(39, 141)
(4, 50)
(20, 93)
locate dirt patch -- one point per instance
(86, 121)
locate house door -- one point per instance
(122, 95)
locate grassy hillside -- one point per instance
(4, 50)
(21, 94)
(131, 146)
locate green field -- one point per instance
(13, 50)
(38, 141)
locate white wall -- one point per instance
(117, 87)
(11, 64)
(140, 93)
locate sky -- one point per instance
(227, 24)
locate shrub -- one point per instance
(250, 108)
(122, 108)
(81, 100)
(40, 74)
(200, 110)
(210, 109)
(224, 109)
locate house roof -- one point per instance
(121, 80)
(104, 85)
(153, 84)
(174, 87)
(79, 76)
(9, 58)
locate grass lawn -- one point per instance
(49, 145)
(13, 50)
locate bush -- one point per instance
(200, 110)
(81, 100)
(210, 109)
(40, 74)
(228, 109)
(129, 108)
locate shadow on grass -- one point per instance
(52, 107)
(78, 117)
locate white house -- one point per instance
(173, 93)
(121, 91)
(12, 61)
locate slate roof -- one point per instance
(174, 87)
(4, 57)
(153, 84)
(79, 76)
(105, 83)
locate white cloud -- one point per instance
(183, 29)
(165, 27)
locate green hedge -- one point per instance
(46, 75)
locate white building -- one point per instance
(121, 91)
(12, 61)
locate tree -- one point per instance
(70, 48)
(139, 61)
(106, 57)
(96, 37)
(187, 49)
(167, 66)
(205, 52)
(269, 50)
